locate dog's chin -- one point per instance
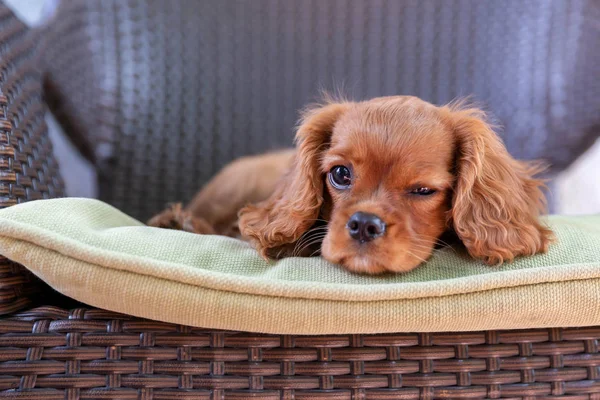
(367, 264)
(362, 265)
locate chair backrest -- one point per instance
(160, 94)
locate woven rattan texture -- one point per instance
(166, 92)
(51, 353)
(28, 170)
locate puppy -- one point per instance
(373, 185)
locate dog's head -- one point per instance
(389, 176)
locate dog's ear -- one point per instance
(497, 199)
(276, 223)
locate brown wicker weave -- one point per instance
(52, 353)
(28, 170)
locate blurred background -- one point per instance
(151, 97)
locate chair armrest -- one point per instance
(28, 169)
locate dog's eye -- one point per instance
(340, 177)
(423, 191)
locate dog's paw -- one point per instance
(176, 217)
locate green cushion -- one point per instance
(92, 252)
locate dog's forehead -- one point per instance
(392, 131)
(390, 117)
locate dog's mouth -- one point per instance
(370, 263)
(362, 265)
(357, 262)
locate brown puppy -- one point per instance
(374, 184)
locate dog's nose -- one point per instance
(365, 227)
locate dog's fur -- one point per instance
(392, 146)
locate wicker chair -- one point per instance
(153, 93)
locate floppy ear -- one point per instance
(497, 200)
(274, 224)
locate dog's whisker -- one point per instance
(445, 245)
(423, 238)
(441, 242)
(302, 243)
(318, 236)
(424, 261)
(308, 244)
(307, 236)
(314, 253)
(279, 253)
(427, 245)
(435, 238)
(430, 250)
(313, 230)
